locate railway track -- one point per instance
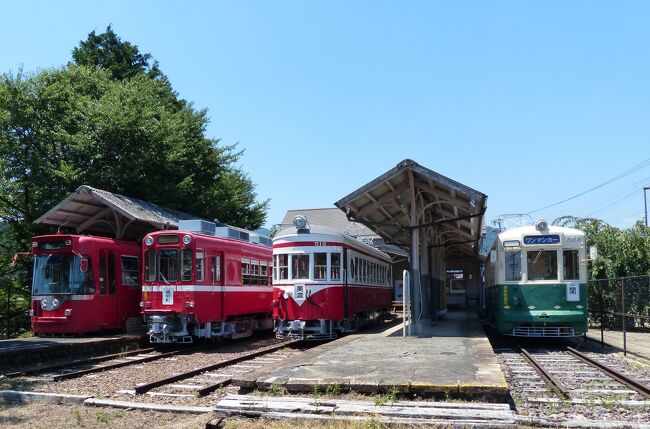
(202, 381)
(569, 376)
(79, 368)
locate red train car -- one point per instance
(326, 282)
(198, 285)
(83, 284)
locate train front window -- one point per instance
(300, 267)
(62, 274)
(571, 265)
(150, 265)
(320, 266)
(168, 265)
(282, 267)
(513, 266)
(186, 265)
(542, 265)
(335, 272)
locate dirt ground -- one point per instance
(48, 416)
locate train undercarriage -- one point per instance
(178, 329)
(325, 329)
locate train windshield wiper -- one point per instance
(537, 256)
(162, 276)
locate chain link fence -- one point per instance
(619, 313)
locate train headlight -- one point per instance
(187, 239)
(300, 221)
(44, 304)
(148, 240)
(67, 312)
(31, 312)
(541, 225)
(55, 303)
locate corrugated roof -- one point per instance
(94, 211)
(336, 219)
(330, 217)
(450, 213)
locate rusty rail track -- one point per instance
(616, 375)
(552, 382)
(100, 368)
(90, 361)
(144, 388)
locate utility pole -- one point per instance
(645, 204)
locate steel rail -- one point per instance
(144, 388)
(101, 368)
(616, 375)
(550, 380)
(89, 361)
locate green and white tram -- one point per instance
(536, 282)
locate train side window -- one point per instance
(320, 266)
(264, 273)
(542, 264)
(215, 269)
(283, 267)
(245, 272)
(571, 265)
(335, 270)
(300, 267)
(130, 270)
(513, 266)
(200, 256)
(110, 259)
(150, 265)
(186, 265)
(255, 272)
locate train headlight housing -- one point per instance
(55, 303)
(300, 221)
(67, 312)
(44, 303)
(31, 312)
(541, 225)
(148, 240)
(187, 239)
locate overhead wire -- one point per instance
(619, 176)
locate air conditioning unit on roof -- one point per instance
(197, 225)
(232, 232)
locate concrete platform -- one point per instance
(453, 358)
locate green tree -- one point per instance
(109, 120)
(122, 59)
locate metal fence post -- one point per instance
(623, 317)
(602, 313)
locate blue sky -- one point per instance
(527, 102)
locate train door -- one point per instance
(107, 298)
(128, 289)
(217, 279)
(345, 282)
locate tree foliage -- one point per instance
(621, 253)
(110, 119)
(122, 59)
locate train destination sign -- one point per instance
(542, 239)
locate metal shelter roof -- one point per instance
(94, 211)
(449, 213)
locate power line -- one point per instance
(627, 172)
